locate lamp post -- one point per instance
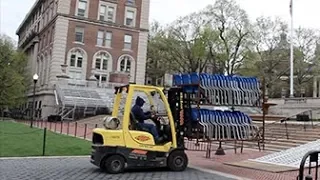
(35, 79)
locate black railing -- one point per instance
(313, 158)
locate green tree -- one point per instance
(232, 25)
(157, 63)
(12, 75)
(186, 44)
(270, 42)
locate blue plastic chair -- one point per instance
(195, 81)
(235, 127)
(226, 128)
(215, 126)
(202, 122)
(186, 81)
(177, 79)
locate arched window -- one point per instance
(125, 64)
(101, 61)
(76, 58)
(77, 63)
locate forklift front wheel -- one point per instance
(114, 164)
(178, 161)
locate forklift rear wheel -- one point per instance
(114, 164)
(177, 161)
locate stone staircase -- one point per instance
(278, 139)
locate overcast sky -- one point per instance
(306, 12)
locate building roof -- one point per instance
(37, 2)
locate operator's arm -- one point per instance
(140, 115)
(145, 115)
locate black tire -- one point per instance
(177, 161)
(114, 164)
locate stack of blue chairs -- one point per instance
(221, 89)
(224, 125)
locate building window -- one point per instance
(98, 63)
(110, 14)
(82, 8)
(102, 14)
(107, 12)
(130, 2)
(100, 38)
(102, 60)
(79, 34)
(130, 17)
(76, 58)
(108, 39)
(104, 38)
(127, 41)
(101, 78)
(125, 64)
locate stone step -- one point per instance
(274, 146)
(294, 131)
(311, 131)
(296, 141)
(295, 138)
(288, 125)
(294, 134)
(283, 143)
(294, 128)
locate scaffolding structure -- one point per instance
(77, 102)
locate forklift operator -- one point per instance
(142, 116)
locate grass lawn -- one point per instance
(18, 140)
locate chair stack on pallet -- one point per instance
(219, 90)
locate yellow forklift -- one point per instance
(123, 145)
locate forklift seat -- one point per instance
(135, 124)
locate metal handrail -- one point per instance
(313, 157)
(286, 119)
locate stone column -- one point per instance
(34, 58)
(63, 78)
(318, 88)
(314, 87)
(92, 81)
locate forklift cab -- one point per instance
(135, 146)
(155, 104)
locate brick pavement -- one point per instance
(79, 168)
(196, 157)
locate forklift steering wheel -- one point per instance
(158, 119)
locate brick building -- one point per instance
(105, 39)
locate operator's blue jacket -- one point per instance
(138, 112)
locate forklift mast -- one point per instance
(180, 107)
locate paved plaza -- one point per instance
(79, 168)
(196, 159)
